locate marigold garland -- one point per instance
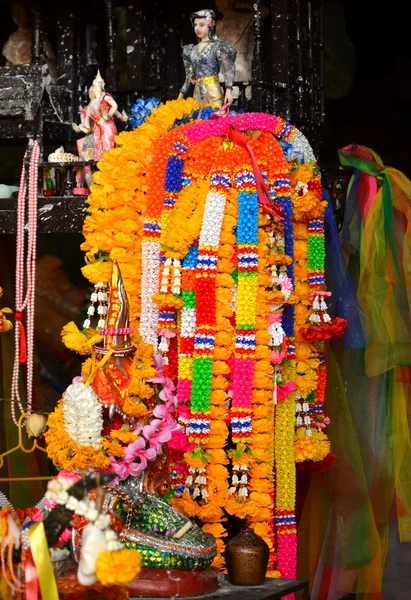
(225, 293)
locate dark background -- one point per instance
(367, 68)
(376, 111)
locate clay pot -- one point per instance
(247, 558)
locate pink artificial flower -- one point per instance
(274, 317)
(168, 387)
(166, 333)
(158, 432)
(77, 379)
(179, 441)
(319, 293)
(38, 516)
(69, 475)
(127, 466)
(184, 412)
(277, 356)
(327, 420)
(65, 536)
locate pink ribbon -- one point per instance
(285, 390)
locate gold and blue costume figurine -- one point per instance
(204, 61)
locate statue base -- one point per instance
(162, 583)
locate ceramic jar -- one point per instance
(247, 558)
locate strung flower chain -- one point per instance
(302, 410)
(197, 481)
(57, 492)
(205, 288)
(319, 314)
(100, 298)
(246, 303)
(239, 480)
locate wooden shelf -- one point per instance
(68, 164)
(57, 214)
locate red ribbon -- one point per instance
(264, 198)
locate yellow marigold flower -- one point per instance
(216, 441)
(143, 391)
(126, 437)
(262, 352)
(222, 353)
(224, 339)
(261, 440)
(218, 397)
(262, 397)
(261, 486)
(262, 337)
(219, 413)
(263, 381)
(210, 513)
(216, 529)
(216, 471)
(305, 384)
(188, 507)
(222, 323)
(303, 449)
(218, 563)
(77, 341)
(219, 383)
(241, 509)
(261, 498)
(225, 265)
(218, 428)
(97, 271)
(262, 425)
(264, 366)
(261, 454)
(314, 447)
(217, 456)
(303, 173)
(167, 300)
(225, 251)
(262, 529)
(134, 408)
(261, 411)
(118, 567)
(220, 367)
(227, 238)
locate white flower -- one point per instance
(150, 283)
(83, 415)
(72, 503)
(212, 219)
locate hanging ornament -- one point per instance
(98, 305)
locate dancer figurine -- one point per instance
(205, 60)
(97, 118)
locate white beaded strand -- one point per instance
(29, 300)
